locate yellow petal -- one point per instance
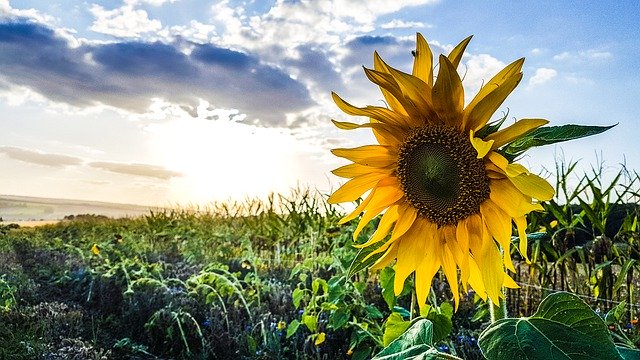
(407, 215)
(392, 93)
(515, 131)
(460, 255)
(461, 236)
(509, 283)
(481, 146)
(510, 199)
(424, 275)
(359, 209)
(475, 228)
(415, 90)
(475, 279)
(521, 225)
(354, 188)
(456, 54)
(353, 170)
(411, 252)
(476, 115)
(499, 225)
(448, 93)
(391, 135)
(423, 61)
(368, 155)
(384, 197)
(381, 114)
(449, 268)
(492, 270)
(387, 257)
(476, 118)
(384, 227)
(534, 186)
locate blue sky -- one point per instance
(185, 102)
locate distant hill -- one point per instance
(25, 208)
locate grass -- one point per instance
(274, 279)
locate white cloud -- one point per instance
(542, 75)
(584, 55)
(144, 170)
(479, 69)
(400, 24)
(150, 2)
(40, 158)
(124, 21)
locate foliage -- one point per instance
(280, 279)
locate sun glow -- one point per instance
(222, 160)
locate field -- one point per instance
(279, 279)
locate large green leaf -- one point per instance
(394, 327)
(550, 135)
(415, 343)
(564, 327)
(629, 354)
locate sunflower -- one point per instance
(445, 193)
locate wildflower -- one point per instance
(320, 338)
(95, 249)
(447, 195)
(282, 325)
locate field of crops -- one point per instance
(280, 279)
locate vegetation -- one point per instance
(279, 279)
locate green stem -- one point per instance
(497, 311)
(447, 356)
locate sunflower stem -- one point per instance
(497, 311)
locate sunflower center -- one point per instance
(441, 175)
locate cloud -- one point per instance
(40, 158)
(542, 75)
(144, 170)
(400, 24)
(129, 75)
(584, 55)
(124, 21)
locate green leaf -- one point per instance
(549, 135)
(413, 342)
(629, 354)
(622, 275)
(339, 318)
(563, 327)
(361, 353)
(387, 276)
(394, 327)
(614, 315)
(297, 297)
(402, 311)
(358, 264)
(292, 328)
(336, 288)
(373, 312)
(442, 325)
(311, 322)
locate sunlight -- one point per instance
(224, 160)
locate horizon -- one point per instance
(159, 102)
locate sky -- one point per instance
(187, 102)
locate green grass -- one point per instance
(271, 279)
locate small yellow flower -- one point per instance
(320, 338)
(282, 325)
(95, 249)
(447, 195)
